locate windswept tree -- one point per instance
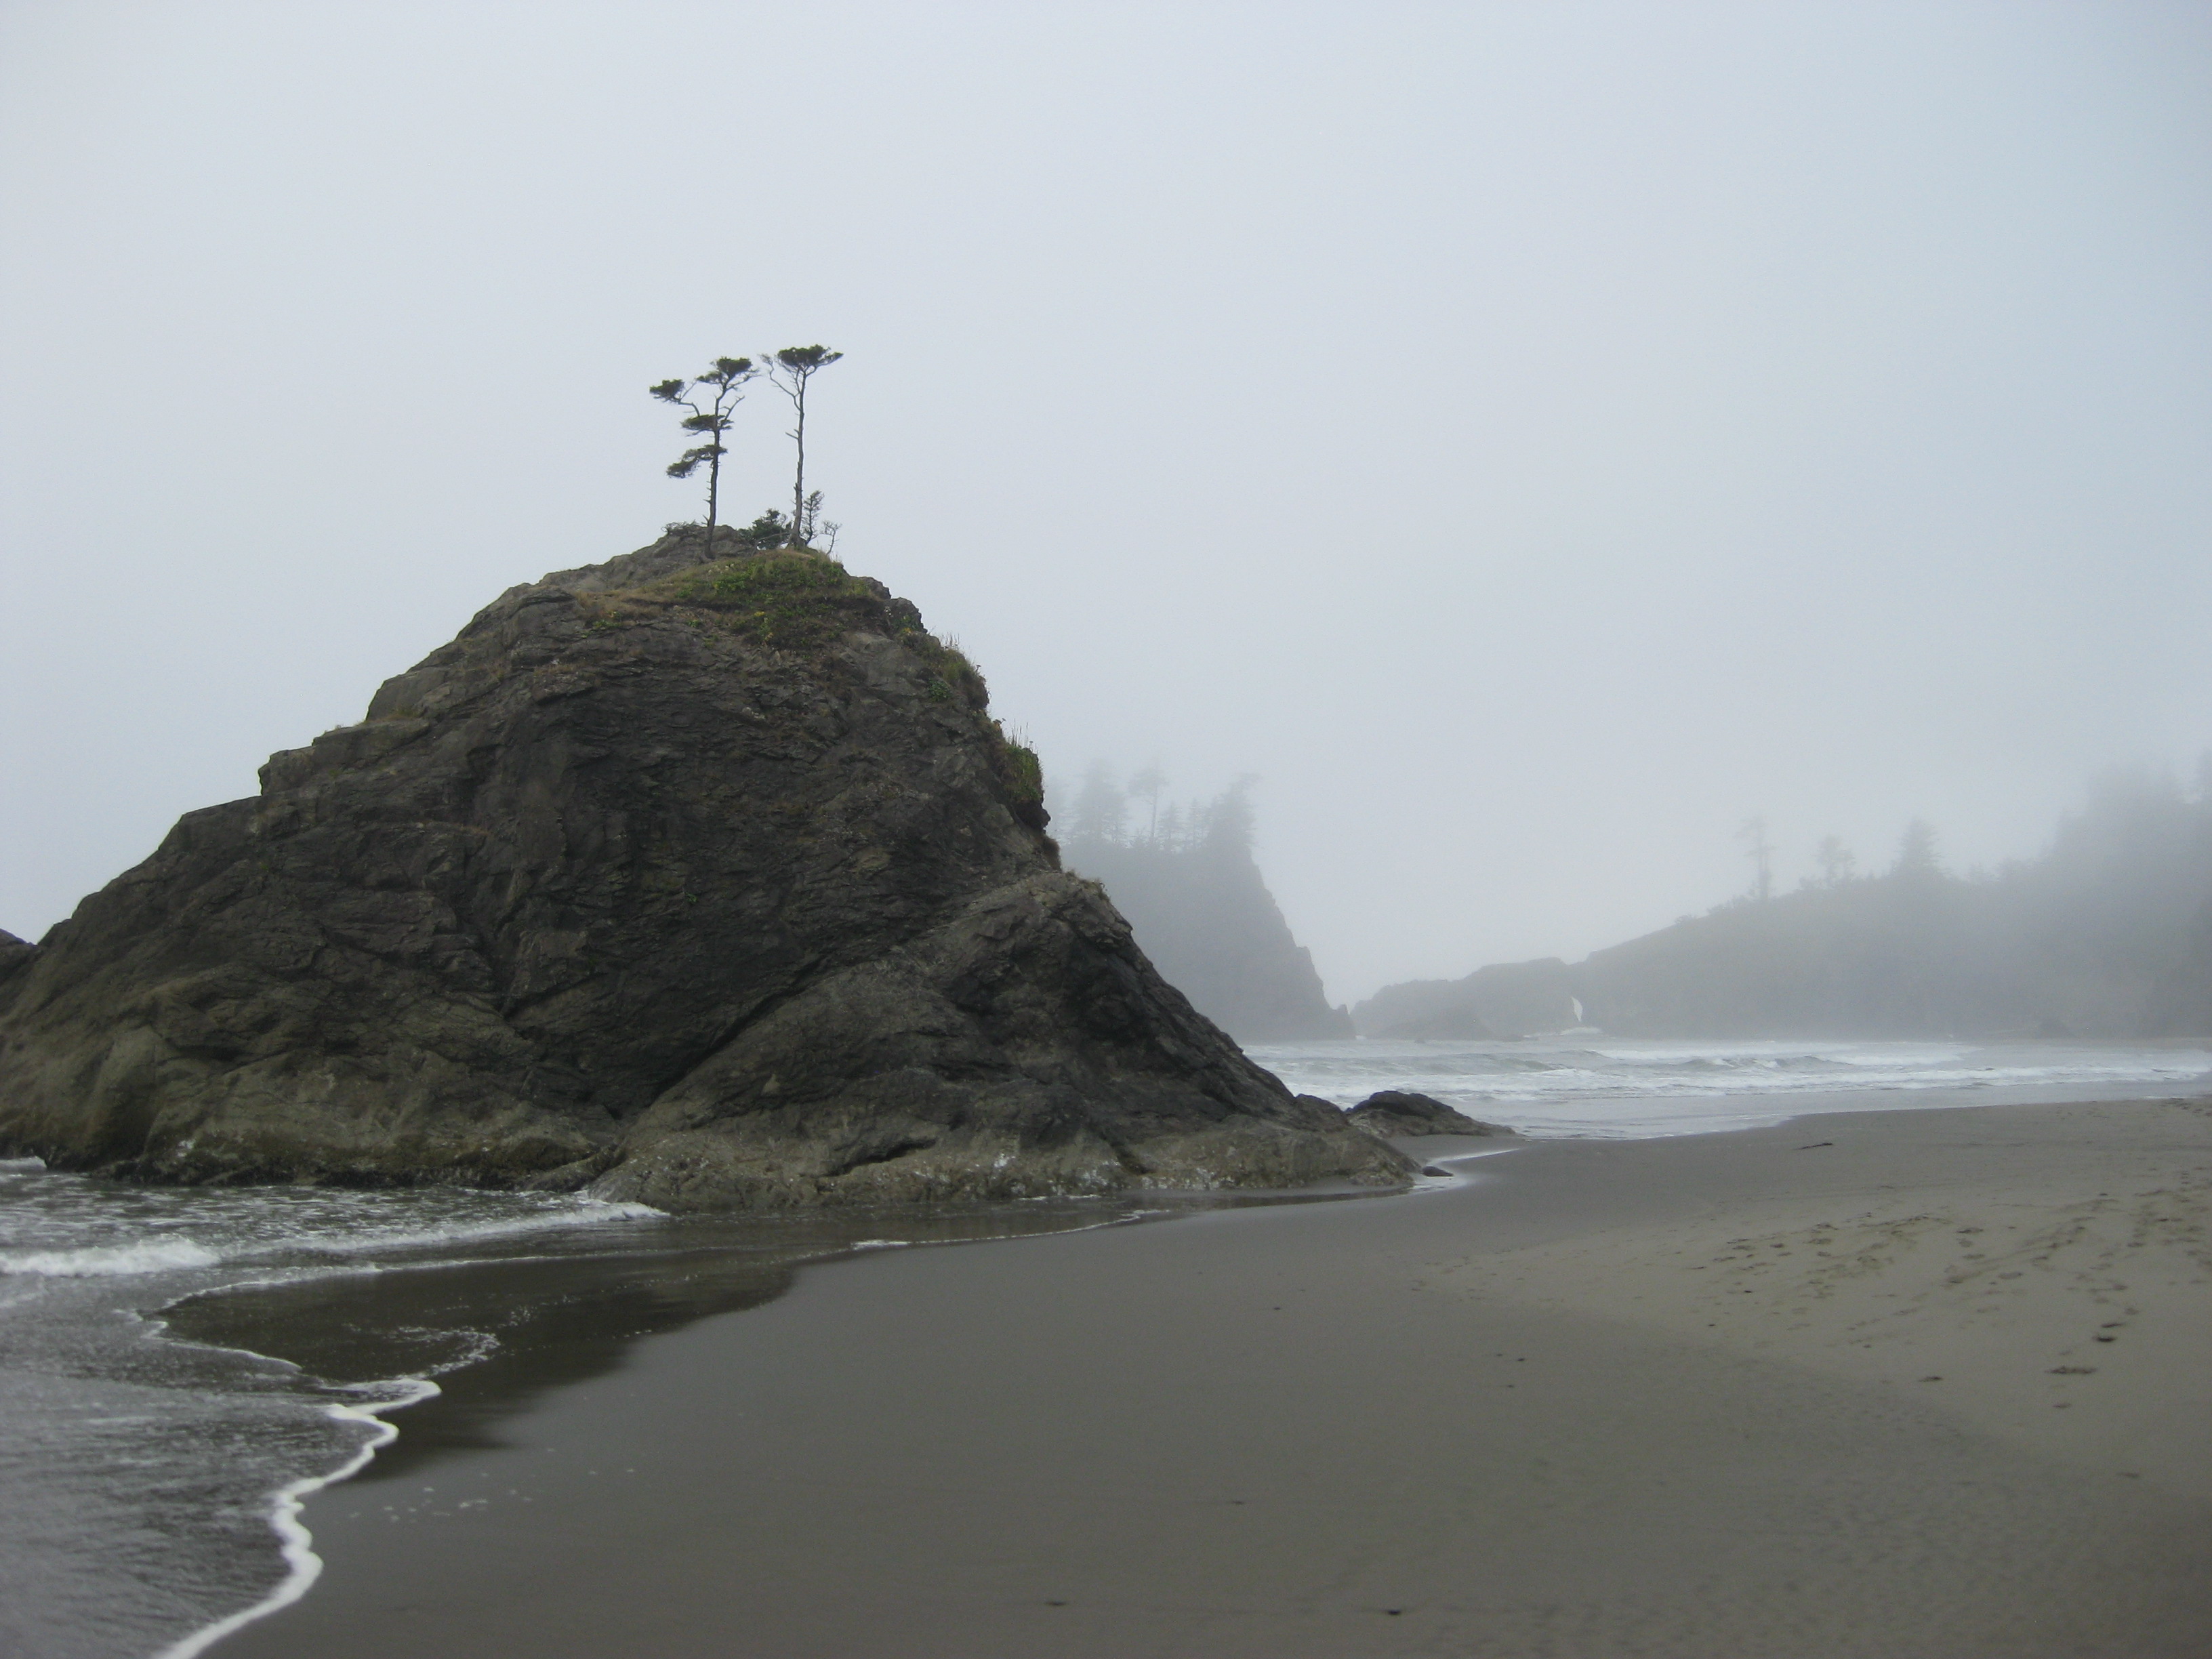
(1917, 856)
(1146, 786)
(712, 398)
(1760, 852)
(1166, 830)
(1229, 820)
(790, 369)
(1101, 809)
(1837, 861)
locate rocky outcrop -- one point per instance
(1394, 1112)
(702, 882)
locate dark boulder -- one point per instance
(706, 882)
(1394, 1112)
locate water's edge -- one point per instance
(565, 1317)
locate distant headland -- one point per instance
(2107, 934)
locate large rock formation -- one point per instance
(702, 883)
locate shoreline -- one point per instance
(1506, 1417)
(295, 1544)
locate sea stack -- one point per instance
(707, 881)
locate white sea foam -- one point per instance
(103, 1260)
(22, 1166)
(302, 1566)
(578, 1213)
(232, 1228)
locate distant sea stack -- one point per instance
(1202, 911)
(707, 881)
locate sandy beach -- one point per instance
(1934, 1383)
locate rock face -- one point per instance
(708, 882)
(1396, 1112)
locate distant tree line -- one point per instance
(1918, 857)
(712, 398)
(1107, 812)
(2106, 933)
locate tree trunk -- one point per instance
(713, 488)
(799, 484)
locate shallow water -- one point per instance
(155, 1444)
(152, 1438)
(140, 1472)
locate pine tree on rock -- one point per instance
(717, 390)
(790, 369)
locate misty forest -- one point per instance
(2108, 933)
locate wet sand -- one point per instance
(1605, 1399)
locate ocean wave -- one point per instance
(1854, 1059)
(107, 1260)
(585, 1213)
(1632, 1087)
(176, 1252)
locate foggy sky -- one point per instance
(1530, 438)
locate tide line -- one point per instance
(296, 1544)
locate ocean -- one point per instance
(1584, 1083)
(178, 1368)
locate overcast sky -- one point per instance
(1531, 437)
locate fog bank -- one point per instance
(1532, 440)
